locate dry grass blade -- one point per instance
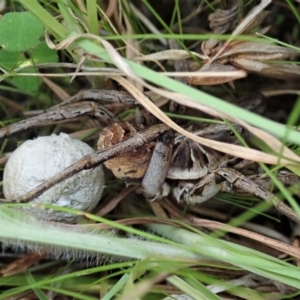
(147, 23)
(283, 247)
(212, 74)
(21, 264)
(115, 201)
(225, 228)
(59, 92)
(222, 147)
(216, 73)
(171, 54)
(117, 59)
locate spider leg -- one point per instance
(152, 183)
(63, 113)
(111, 96)
(239, 180)
(288, 179)
(196, 193)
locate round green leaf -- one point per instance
(11, 60)
(26, 83)
(43, 54)
(19, 31)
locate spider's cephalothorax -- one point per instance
(191, 160)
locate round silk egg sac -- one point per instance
(38, 160)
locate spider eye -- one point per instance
(231, 133)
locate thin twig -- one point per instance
(66, 112)
(92, 160)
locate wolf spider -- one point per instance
(154, 157)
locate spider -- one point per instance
(198, 171)
(167, 158)
(155, 157)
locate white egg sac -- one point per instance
(36, 161)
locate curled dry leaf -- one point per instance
(221, 21)
(257, 51)
(280, 71)
(231, 73)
